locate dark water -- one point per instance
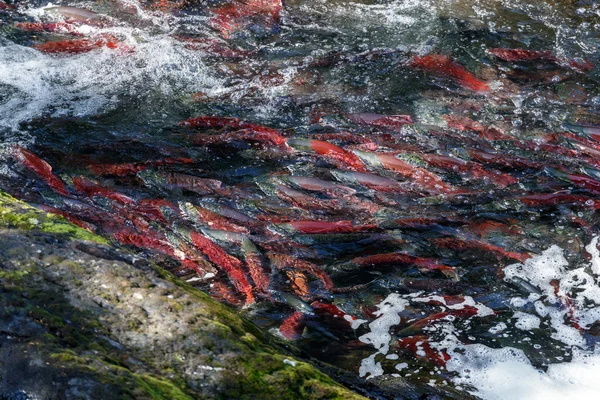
(411, 225)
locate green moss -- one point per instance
(13, 276)
(161, 389)
(45, 318)
(256, 368)
(139, 386)
(16, 214)
(294, 380)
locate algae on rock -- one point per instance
(83, 320)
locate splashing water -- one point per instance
(407, 189)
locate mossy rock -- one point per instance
(75, 324)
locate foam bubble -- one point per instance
(39, 84)
(525, 321)
(503, 374)
(379, 335)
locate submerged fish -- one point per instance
(444, 66)
(77, 46)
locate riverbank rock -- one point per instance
(81, 320)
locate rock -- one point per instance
(80, 320)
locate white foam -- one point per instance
(563, 293)
(379, 335)
(507, 374)
(525, 321)
(592, 249)
(86, 84)
(498, 328)
(355, 323)
(565, 297)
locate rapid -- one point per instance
(406, 190)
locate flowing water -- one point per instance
(385, 182)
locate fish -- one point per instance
(325, 227)
(203, 217)
(91, 188)
(319, 185)
(299, 283)
(521, 54)
(369, 180)
(133, 168)
(73, 13)
(255, 262)
(69, 217)
(146, 241)
(299, 199)
(212, 122)
(393, 122)
(234, 16)
(420, 176)
(293, 326)
(260, 136)
(540, 55)
(41, 168)
(336, 316)
(473, 169)
(224, 293)
(229, 264)
(467, 124)
(444, 316)
(283, 261)
(590, 130)
(4, 6)
(336, 155)
(442, 65)
(557, 198)
(579, 180)
(504, 160)
(425, 264)
(53, 27)
(164, 180)
(347, 137)
(77, 46)
(419, 346)
(461, 244)
(428, 223)
(259, 272)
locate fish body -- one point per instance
(469, 168)
(326, 227)
(393, 122)
(41, 168)
(426, 264)
(133, 168)
(521, 55)
(320, 185)
(229, 264)
(461, 244)
(73, 13)
(293, 326)
(91, 188)
(232, 17)
(417, 175)
(371, 181)
(336, 155)
(52, 27)
(444, 66)
(77, 46)
(420, 346)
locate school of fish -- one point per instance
(307, 229)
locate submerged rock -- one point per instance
(81, 320)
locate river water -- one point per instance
(401, 193)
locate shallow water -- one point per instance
(490, 210)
